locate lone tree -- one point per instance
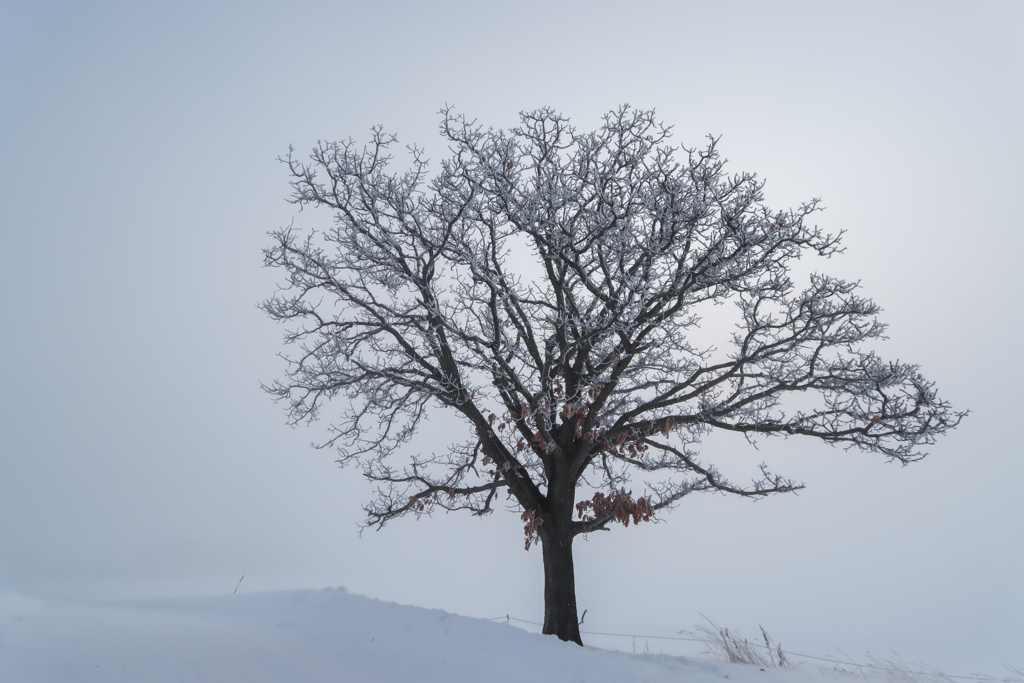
(547, 285)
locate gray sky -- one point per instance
(138, 181)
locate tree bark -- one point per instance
(559, 586)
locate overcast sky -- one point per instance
(138, 180)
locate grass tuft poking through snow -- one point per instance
(729, 646)
(726, 645)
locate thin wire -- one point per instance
(795, 654)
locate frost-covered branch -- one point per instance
(548, 287)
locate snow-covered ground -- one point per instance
(309, 636)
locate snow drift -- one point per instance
(310, 636)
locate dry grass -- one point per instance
(721, 643)
(899, 671)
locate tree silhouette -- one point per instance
(547, 286)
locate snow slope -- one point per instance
(310, 636)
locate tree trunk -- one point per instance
(559, 586)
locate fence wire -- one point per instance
(847, 663)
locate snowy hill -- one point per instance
(310, 636)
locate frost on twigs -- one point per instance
(546, 286)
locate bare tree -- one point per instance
(547, 285)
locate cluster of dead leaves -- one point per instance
(618, 507)
(530, 529)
